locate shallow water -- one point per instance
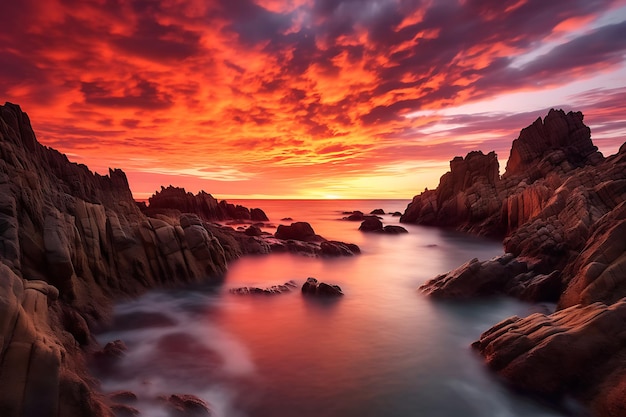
(381, 350)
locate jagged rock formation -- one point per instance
(71, 242)
(561, 208)
(578, 351)
(472, 197)
(80, 239)
(272, 290)
(177, 200)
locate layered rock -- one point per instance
(472, 197)
(175, 200)
(561, 208)
(80, 237)
(578, 351)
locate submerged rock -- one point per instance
(313, 287)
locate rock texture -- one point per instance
(272, 290)
(578, 351)
(70, 242)
(561, 208)
(176, 200)
(313, 287)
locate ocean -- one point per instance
(383, 349)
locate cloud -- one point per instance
(284, 91)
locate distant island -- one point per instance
(73, 242)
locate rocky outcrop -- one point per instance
(473, 198)
(72, 241)
(297, 231)
(175, 200)
(561, 208)
(272, 290)
(374, 225)
(566, 134)
(501, 275)
(577, 351)
(315, 288)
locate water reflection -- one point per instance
(381, 350)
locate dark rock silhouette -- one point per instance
(297, 231)
(313, 287)
(272, 290)
(175, 200)
(371, 224)
(561, 209)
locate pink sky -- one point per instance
(306, 98)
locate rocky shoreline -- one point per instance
(72, 242)
(560, 208)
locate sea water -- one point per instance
(383, 349)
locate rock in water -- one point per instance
(576, 351)
(313, 287)
(371, 224)
(297, 231)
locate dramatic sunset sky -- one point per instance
(306, 98)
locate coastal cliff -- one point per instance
(71, 242)
(560, 207)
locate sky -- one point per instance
(306, 98)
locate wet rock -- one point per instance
(272, 290)
(297, 231)
(355, 216)
(575, 351)
(313, 287)
(253, 230)
(124, 410)
(371, 224)
(185, 405)
(377, 211)
(333, 248)
(394, 230)
(258, 215)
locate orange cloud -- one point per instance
(294, 98)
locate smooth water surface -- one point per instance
(383, 349)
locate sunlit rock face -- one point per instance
(561, 208)
(70, 242)
(576, 351)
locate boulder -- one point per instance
(377, 211)
(297, 231)
(575, 351)
(185, 405)
(354, 216)
(313, 287)
(258, 215)
(371, 224)
(394, 230)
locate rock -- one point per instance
(371, 224)
(313, 287)
(286, 219)
(185, 405)
(123, 397)
(557, 131)
(549, 354)
(377, 211)
(274, 289)
(354, 216)
(396, 214)
(297, 231)
(394, 230)
(124, 410)
(253, 230)
(334, 248)
(258, 215)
